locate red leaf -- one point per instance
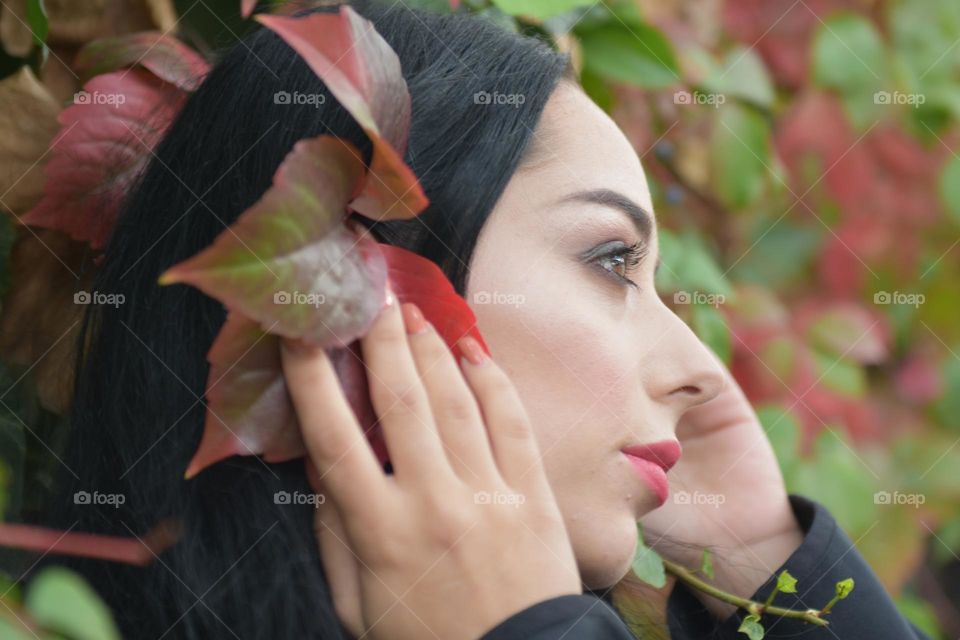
(289, 262)
(106, 137)
(160, 53)
(363, 73)
(249, 410)
(136, 551)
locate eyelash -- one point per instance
(632, 254)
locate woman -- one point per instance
(512, 491)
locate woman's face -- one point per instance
(600, 363)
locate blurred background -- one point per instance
(805, 164)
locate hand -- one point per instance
(466, 531)
(738, 504)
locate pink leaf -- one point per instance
(363, 73)
(106, 137)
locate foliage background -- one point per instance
(803, 157)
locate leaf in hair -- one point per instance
(289, 262)
(363, 73)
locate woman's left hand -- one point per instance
(727, 493)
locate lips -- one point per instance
(651, 463)
(664, 454)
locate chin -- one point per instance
(606, 557)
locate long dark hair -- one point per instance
(246, 566)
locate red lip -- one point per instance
(664, 454)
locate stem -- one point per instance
(829, 605)
(686, 576)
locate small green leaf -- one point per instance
(751, 627)
(62, 601)
(844, 587)
(541, 9)
(647, 563)
(786, 582)
(706, 565)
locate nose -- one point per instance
(684, 373)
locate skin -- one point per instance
(583, 364)
(601, 365)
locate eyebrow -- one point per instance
(640, 217)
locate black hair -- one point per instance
(244, 565)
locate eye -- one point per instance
(619, 259)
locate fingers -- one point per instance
(453, 405)
(511, 434)
(341, 566)
(336, 444)
(400, 400)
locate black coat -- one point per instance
(825, 557)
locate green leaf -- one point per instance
(633, 53)
(741, 74)
(62, 601)
(840, 375)
(950, 188)
(711, 327)
(37, 19)
(706, 564)
(835, 464)
(12, 630)
(786, 583)
(844, 587)
(647, 563)
(784, 434)
(687, 265)
(751, 627)
(739, 155)
(540, 9)
(848, 55)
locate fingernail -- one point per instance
(413, 318)
(472, 351)
(390, 299)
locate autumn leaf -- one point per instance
(160, 53)
(106, 136)
(249, 409)
(289, 261)
(363, 73)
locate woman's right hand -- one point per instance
(466, 531)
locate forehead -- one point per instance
(577, 146)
